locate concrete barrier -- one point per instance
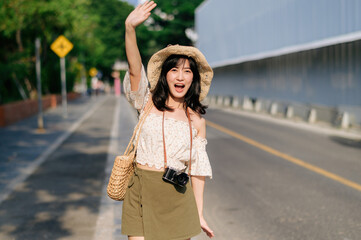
(247, 103)
(354, 114)
(305, 112)
(258, 105)
(325, 113)
(235, 102)
(219, 100)
(213, 100)
(266, 105)
(227, 101)
(289, 112)
(300, 111)
(312, 116)
(273, 109)
(345, 120)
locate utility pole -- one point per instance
(38, 79)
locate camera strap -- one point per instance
(191, 141)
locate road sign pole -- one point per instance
(61, 46)
(38, 78)
(63, 88)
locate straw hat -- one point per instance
(156, 61)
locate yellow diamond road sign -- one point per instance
(93, 72)
(61, 46)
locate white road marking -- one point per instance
(108, 224)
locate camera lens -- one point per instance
(182, 179)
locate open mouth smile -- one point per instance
(179, 87)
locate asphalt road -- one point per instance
(270, 181)
(61, 198)
(256, 195)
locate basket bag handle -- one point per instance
(133, 147)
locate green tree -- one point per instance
(110, 32)
(96, 28)
(96, 35)
(168, 24)
(172, 19)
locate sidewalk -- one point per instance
(43, 163)
(22, 149)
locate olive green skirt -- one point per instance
(159, 210)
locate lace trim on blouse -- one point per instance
(138, 98)
(150, 147)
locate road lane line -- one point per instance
(108, 224)
(287, 157)
(104, 228)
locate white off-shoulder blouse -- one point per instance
(150, 147)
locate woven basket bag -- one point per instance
(123, 166)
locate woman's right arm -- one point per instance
(135, 18)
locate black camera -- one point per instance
(178, 178)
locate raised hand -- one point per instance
(140, 14)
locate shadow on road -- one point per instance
(346, 142)
(60, 200)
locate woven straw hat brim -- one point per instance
(156, 61)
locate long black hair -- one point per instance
(161, 90)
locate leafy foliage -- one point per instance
(172, 18)
(96, 28)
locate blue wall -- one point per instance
(329, 76)
(234, 28)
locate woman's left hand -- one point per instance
(206, 228)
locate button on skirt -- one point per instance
(159, 210)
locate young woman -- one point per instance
(160, 204)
